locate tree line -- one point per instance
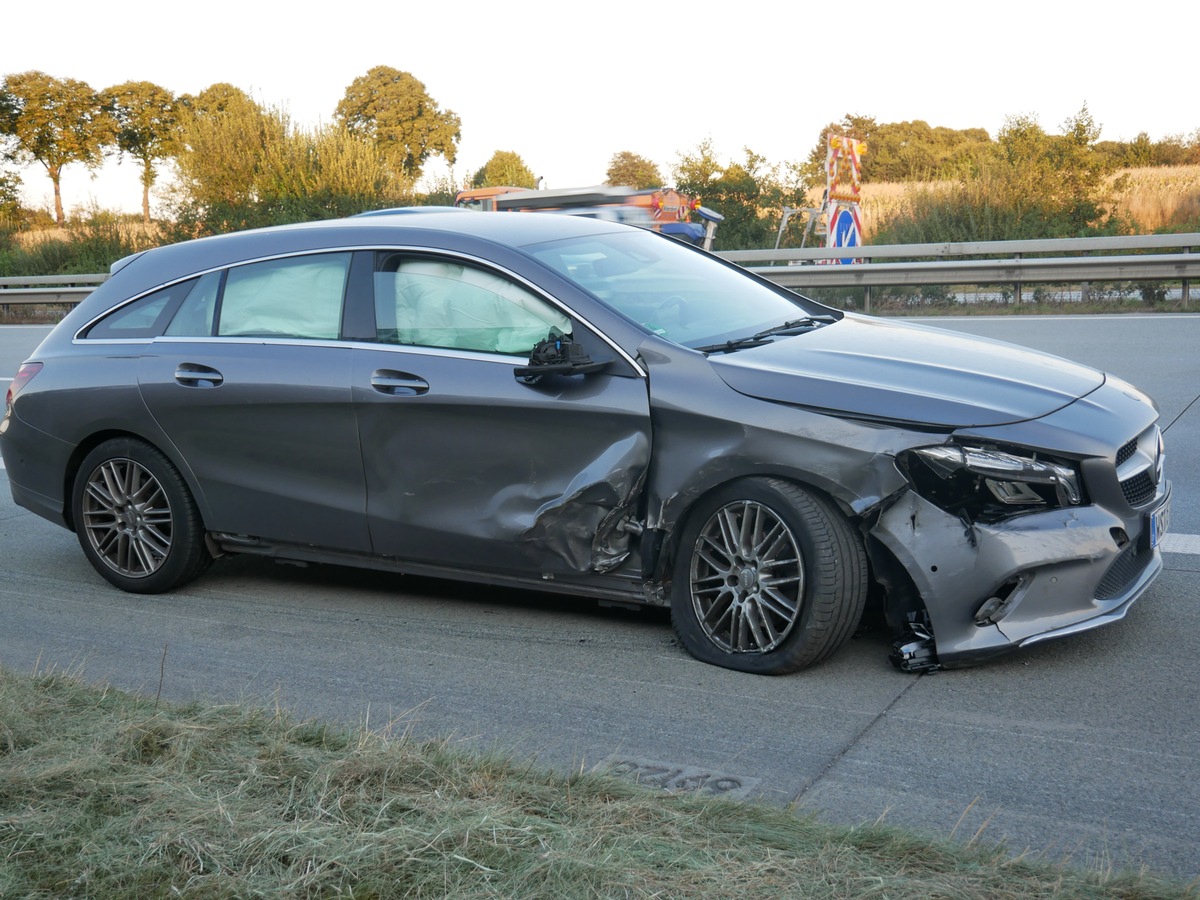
(230, 152)
(237, 163)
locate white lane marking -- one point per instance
(1181, 543)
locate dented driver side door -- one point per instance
(468, 466)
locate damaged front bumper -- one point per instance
(990, 588)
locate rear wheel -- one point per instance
(769, 578)
(136, 519)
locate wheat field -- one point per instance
(1149, 198)
(1158, 197)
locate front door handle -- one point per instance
(399, 384)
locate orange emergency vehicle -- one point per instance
(660, 209)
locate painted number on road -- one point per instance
(674, 777)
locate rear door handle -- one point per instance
(400, 384)
(195, 375)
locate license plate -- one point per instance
(1160, 519)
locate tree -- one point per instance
(1178, 150)
(693, 171)
(242, 166)
(632, 170)
(1031, 184)
(394, 110)
(504, 168)
(324, 173)
(914, 151)
(903, 151)
(223, 136)
(147, 119)
(1080, 172)
(750, 194)
(10, 197)
(55, 122)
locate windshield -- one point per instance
(675, 292)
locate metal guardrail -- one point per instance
(1153, 257)
(1073, 260)
(48, 288)
(1057, 246)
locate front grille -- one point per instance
(1127, 451)
(1139, 489)
(1124, 571)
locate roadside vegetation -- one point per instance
(106, 794)
(234, 163)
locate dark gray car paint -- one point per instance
(274, 446)
(481, 470)
(885, 370)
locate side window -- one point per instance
(294, 297)
(437, 303)
(144, 317)
(195, 316)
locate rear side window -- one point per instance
(299, 297)
(144, 318)
(197, 313)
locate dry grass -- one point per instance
(879, 201)
(1158, 197)
(1150, 198)
(136, 233)
(104, 794)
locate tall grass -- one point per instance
(88, 246)
(1159, 198)
(103, 794)
(1142, 200)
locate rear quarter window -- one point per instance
(143, 318)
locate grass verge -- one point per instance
(108, 794)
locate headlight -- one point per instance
(990, 483)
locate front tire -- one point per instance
(769, 578)
(136, 520)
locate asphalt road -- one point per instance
(1086, 749)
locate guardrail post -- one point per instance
(867, 299)
(1017, 286)
(1186, 284)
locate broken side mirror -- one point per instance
(557, 354)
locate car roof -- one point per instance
(513, 229)
(478, 233)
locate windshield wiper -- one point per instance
(792, 326)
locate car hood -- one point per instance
(876, 369)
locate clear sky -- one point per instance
(568, 84)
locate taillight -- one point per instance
(24, 374)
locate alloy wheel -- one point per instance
(746, 578)
(127, 517)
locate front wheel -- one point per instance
(136, 520)
(769, 578)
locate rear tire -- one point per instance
(769, 578)
(136, 520)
